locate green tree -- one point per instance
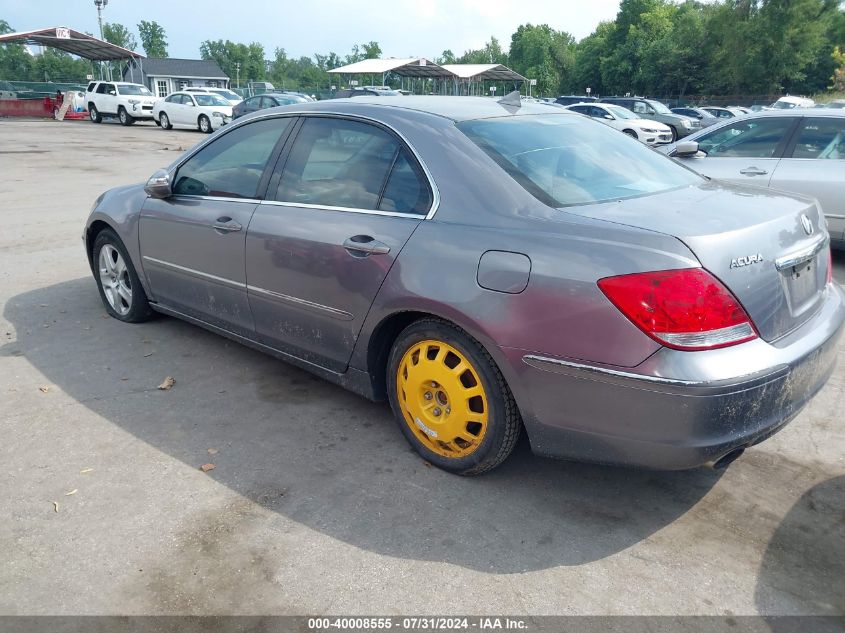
(586, 71)
(446, 57)
(153, 38)
(16, 64)
(229, 55)
(541, 53)
(119, 35)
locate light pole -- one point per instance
(101, 4)
(238, 73)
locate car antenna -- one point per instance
(512, 99)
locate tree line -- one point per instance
(652, 47)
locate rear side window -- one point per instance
(407, 188)
(231, 166)
(338, 163)
(822, 138)
(755, 138)
(564, 160)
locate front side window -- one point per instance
(563, 160)
(231, 166)
(822, 138)
(338, 163)
(755, 138)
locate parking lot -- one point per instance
(316, 504)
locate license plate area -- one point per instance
(802, 285)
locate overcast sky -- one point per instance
(403, 28)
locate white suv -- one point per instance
(126, 101)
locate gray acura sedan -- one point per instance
(487, 267)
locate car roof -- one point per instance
(455, 108)
(796, 111)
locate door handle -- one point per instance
(226, 225)
(753, 171)
(365, 244)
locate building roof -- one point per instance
(173, 67)
(405, 67)
(70, 41)
(486, 72)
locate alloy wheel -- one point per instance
(115, 280)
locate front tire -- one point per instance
(124, 116)
(118, 282)
(95, 115)
(450, 400)
(674, 133)
(164, 121)
(204, 124)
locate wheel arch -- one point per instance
(91, 232)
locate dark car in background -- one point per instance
(650, 109)
(488, 268)
(700, 114)
(266, 100)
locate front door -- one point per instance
(745, 152)
(349, 196)
(192, 243)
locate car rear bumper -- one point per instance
(677, 409)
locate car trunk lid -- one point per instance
(768, 248)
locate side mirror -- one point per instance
(113, 93)
(158, 186)
(609, 117)
(685, 149)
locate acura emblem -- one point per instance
(808, 226)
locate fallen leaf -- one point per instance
(426, 464)
(55, 506)
(72, 492)
(148, 354)
(86, 470)
(212, 451)
(206, 467)
(44, 389)
(167, 384)
(44, 305)
(124, 379)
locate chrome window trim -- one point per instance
(196, 273)
(801, 255)
(320, 207)
(220, 198)
(335, 313)
(234, 125)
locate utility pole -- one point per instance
(238, 73)
(101, 4)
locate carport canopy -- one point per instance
(415, 67)
(483, 72)
(73, 42)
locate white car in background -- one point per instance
(127, 101)
(645, 130)
(232, 97)
(202, 110)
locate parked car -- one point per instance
(127, 101)
(345, 93)
(739, 110)
(267, 100)
(566, 100)
(800, 150)
(486, 268)
(306, 97)
(232, 97)
(788, 102)
(650, 109)
(705, 118)
(719, 113)
(836, 104)
(204, 111)
(622, 119)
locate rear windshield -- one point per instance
(565, 160)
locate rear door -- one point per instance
(814, 165)
(340, 208)
(192, 243)
(746, 151)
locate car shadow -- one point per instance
(803, 568)
(326, 458)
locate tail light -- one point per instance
(686, 309)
